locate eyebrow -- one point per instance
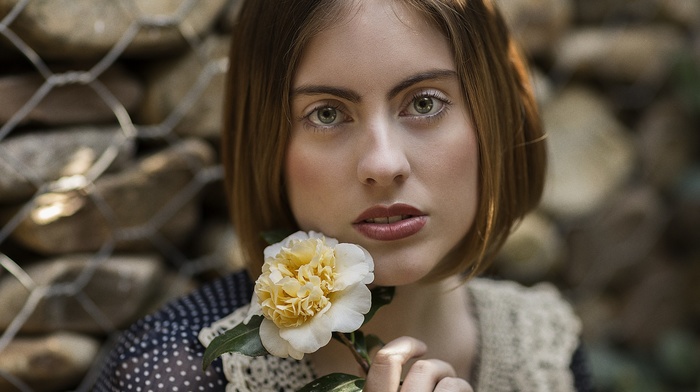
(355, 97)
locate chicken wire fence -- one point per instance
(45, 206)
(109, 180)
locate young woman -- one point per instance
(407, 127)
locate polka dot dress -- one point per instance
(161, 352)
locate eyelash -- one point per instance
(434, 95)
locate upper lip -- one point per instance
(380, 211)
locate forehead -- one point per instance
(333, 13)
(374, 36)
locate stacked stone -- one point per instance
(110, 196)
(619, 226)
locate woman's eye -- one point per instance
(425, 106)
(326, 116)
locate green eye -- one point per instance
(423, 105)
(327, 115)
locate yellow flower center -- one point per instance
(296, 284)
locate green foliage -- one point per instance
(243, 338)
(678, 357)
(335, 382)
(275, 236)
(613, 371)
(380, 296)
(687, 81)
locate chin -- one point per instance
(398, 278)
(403, 267)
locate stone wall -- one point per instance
(111, 200)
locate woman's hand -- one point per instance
(424, 375)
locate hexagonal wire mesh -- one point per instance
(110, 186)
(91, 222)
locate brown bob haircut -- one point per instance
(267, 44)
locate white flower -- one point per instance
(310, 287)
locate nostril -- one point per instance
(382, 164)
(396, 179)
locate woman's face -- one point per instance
(382, 152)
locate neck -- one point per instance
(437, 313)
(419, 308)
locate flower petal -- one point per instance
(271, 340)
(253, 310)
(329, 241)
(353, 264)
(369, 278)
(311, 336)
(349, 308)
(274, 344)
(274, 249)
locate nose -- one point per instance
(383, 157)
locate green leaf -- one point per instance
(243, 338)
(380, 296)
(359, 344)
(372, 341)
(335, 382)
(275, 236)
(687, 81)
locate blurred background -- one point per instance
(111, 201)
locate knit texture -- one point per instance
(528, 337)
(246, 374)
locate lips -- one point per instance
(390, 223)
(387, 220)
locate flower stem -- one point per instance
(362, 360)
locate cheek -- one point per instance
(470, 164)
(299, 170)
(309, 184)
(465, 170)
(458, 174)
(299, 175)
(453, 164)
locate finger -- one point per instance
(385, 372)
(424, 375)
(453, 384)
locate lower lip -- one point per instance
(392, 231)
